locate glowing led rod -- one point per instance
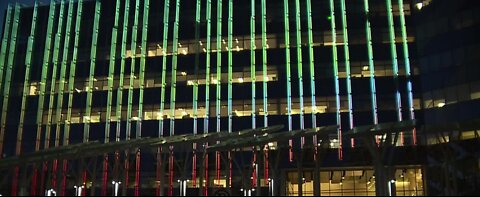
(173, 87)
(230, 80)
(218, 80)
(166, 8)
(393, 48)
(111, 70)
(43, 80)
(207, 85)
(164, 64)
(335, 73)
(56, 48)
(195, 89)
(312, 67)
(230, 63)
(289, 76)
(146, 5)
(28, 63)
(252, 60)
(133, 51)
(93, 60)
(28, 60)
(61, 87)
(298, 27)
(347, 64)
(71, 85)
(408, 71)
(219, 62)
(264, 66)
(371, 64)
(45, 64)
(174, 69)
(3, 50)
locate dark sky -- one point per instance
(3, 8)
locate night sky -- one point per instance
(3, 7)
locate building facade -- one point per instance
(87, 71)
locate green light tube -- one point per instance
(230, 64)
(63, 68)
(207, 74)
(146, 6)
(8, 73)
(371, 64)
(288, 71)
(219, 63)
(335, 73)
(298, 27)
(264, 66)
(408, 72)
(312, 66)
(26, 82)
(393, 48)
(93, 61)
(133, 53)
(197, 62)
(123, 52)
(252, 61)
(347, 62)
(111, 71)
(166, 8)
(45, 64)
(71, 79)
(55, 59)
(6, 35)
(174, 68)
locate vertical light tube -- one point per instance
(252, 61)
(61, 87)
(371, 64)
(174, 86)
(288, 72)
(230, 81)
(93, 61)
(144, 49)
(26, 82)
(230, 64)
(5, 39)
(195, 89)
(91, 78)
(166, 8)
(71, 86)
(123, 52)
(55, 59)
(393, 48)
(346, 51)
(253, 75)
(218, 105)
(43, 81)
(207, 87)
(264, 65)
(408, 72)
(335, 75)
(119, 102)
(108, 116)
(45, 64)
(133, 55)
(298, 27)
(174, 69)
(164, 64)
(312, 67)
